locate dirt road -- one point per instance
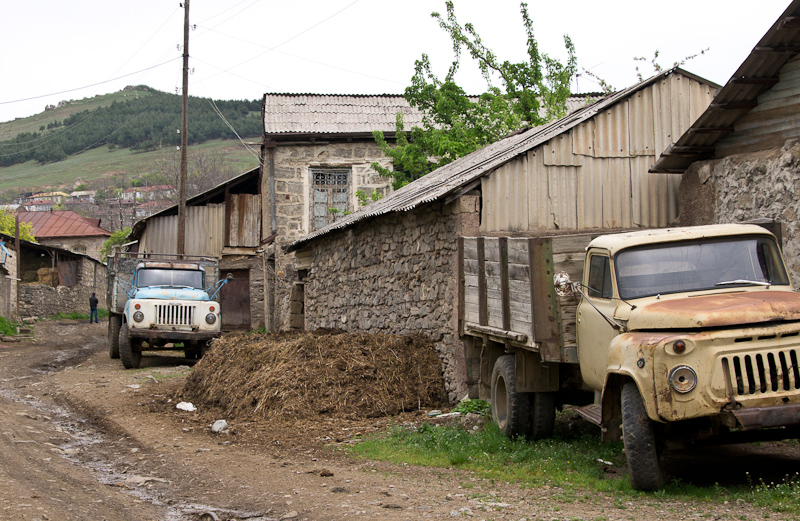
(82, 438)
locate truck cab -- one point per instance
(165, 302)
(689, 334)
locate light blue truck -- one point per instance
(159, 301)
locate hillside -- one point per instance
(120, 136)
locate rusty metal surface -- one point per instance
(62, 223)
(718, 310)
(762, 417)
(234, 298)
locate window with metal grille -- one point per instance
(330, 188)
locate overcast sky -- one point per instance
(53, 50)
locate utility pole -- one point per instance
(184, 134)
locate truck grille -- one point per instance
(174, 315)
(762, 373)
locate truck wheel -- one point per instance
(131, 355)
(114, 322)
(542, 415)
(639, 435)
(510, 409)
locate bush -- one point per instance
(7, 327)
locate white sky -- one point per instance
(54, 50)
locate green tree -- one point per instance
(118, 238)
(518, 95)
(8, 226)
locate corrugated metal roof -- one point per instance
(66, 223)
(347, 114)
(463, 171)
(757, 74)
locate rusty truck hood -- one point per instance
(717, 310)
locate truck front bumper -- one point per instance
(160, 334)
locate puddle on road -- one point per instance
(83, 450)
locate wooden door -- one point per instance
(234, 300)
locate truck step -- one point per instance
(592, 413)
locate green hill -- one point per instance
(128, 133)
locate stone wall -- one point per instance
(293, 203)
(396, 274)
(38, 300)
(748, 186)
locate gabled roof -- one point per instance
(757, 74)
(293, 115)
(66, 223)
(463, 174)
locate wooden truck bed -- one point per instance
(506, 291)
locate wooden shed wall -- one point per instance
(773, 121)
(595, 175)
(205, 232)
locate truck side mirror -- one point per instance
(230, 276)
(562, 284)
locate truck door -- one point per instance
(594, 331)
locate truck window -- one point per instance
(600, 277)
(698, 265)
(165, 277)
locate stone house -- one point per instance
(316, 154)
(42, 281)
(67, 229)
(740, 160)
(393, 266)
(148, 193)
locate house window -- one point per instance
(330, 189)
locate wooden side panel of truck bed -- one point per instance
(507, 294)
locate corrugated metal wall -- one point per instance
(773, 121)
(595, 175)
(245, 220)
(205, 232)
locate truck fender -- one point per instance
(630, 358)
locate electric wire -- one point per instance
(224, 120)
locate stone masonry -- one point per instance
(396, 274)
(293, 188)
(748, 186)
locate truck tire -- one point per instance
(192, 350)
(510, 409)
(131, 355)
(641, 443)
(542, 415)
(114, 322)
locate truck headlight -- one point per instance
(211, 318)
(138, 316)
(683, 379)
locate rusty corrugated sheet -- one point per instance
(757, 74)
(205, 232)
(464, 171)
(61, 223)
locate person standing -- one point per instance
(93, 309)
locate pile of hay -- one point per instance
(303, 375)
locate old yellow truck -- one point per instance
(681, 335)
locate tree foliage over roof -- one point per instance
(518, 95)
(8, 226)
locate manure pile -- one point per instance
(303, 375)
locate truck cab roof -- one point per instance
(619, 241)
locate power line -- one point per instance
(89, 86)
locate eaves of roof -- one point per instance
(757, 74)
(458, 177)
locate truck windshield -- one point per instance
(164, 277)
(699, 265)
